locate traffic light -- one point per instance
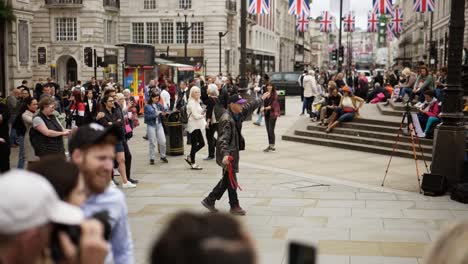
(333, 55)
(101, 62)
(88, 56)
(341, 55)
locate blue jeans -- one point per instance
(156, 136)
(343, 116)
(439, 94)
(21, 154)
(407, 91)
(13, 136)
(259, 117)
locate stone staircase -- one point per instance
(368, 135)
(375, 135)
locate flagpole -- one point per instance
(340, 62)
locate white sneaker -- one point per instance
(128, 185)
(112, 184)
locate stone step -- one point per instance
(369, 142)
(388, 110)
(369, 134)
(399, 106)
(351, 146)
(370, 127)
(377, 122)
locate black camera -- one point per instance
(74, 233)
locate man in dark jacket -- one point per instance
(230, 142)
(4, 138)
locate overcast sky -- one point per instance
(360, 7)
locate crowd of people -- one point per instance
(331, 98)
(98, 119)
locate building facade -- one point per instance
(421, 29)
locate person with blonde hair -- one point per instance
(196, 122)
(449, 246)
(407, 86)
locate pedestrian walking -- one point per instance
(212, 107)
(271, 110)
(230, 143)
(310, 91)
(154, 112)
(196, 122)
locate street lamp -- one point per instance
(449, 143)
(221, 35)
(185, 29)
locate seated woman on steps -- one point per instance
(348, 109)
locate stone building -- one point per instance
(415, 41)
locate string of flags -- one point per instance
(301, 9)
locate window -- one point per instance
(152, 32)
(197, 33)
(138, 32)
(66, 29)
(23, 39)
(149, 4)
(167, 32)
(108, 31)
(185, 4)
(179, 32)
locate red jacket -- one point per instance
(433, 109)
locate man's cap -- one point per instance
(236, 99)
(29, 201)
(89, 135)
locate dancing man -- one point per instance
(230, 142)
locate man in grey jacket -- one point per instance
(230, 142)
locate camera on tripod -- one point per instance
(74, 233)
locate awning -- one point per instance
(180, 66)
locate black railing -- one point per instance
(64, 2)
(231, 5)
(112, 3)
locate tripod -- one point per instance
(414, 138)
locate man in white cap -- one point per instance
(28, 209)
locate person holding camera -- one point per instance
(92, 149)
(26, 234)
(230, 143)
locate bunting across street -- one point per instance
(299, 7)
(349, 22)
(259, 7)
(396, 23)
(326, 22)
(302, 23)
(383, 6)
(372, 22)
(423, 6)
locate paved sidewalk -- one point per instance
(325, 196)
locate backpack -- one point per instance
(460, 193)
(183, 117)
(19, 126)
(34, 138)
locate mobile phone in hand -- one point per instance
(301, 253)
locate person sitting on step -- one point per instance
(348, 109)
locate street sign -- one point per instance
(139, 55)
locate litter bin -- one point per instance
(282, 101)
(174, 138)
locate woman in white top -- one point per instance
(348, 109)
(196, 122)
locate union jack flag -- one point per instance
(298, 7)
(326, 22)
(383, 6)
(349, 22)
(423, 6)
(302, 23)
(390, 34)
(372, 22)
(259, 7)
(396, 23)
